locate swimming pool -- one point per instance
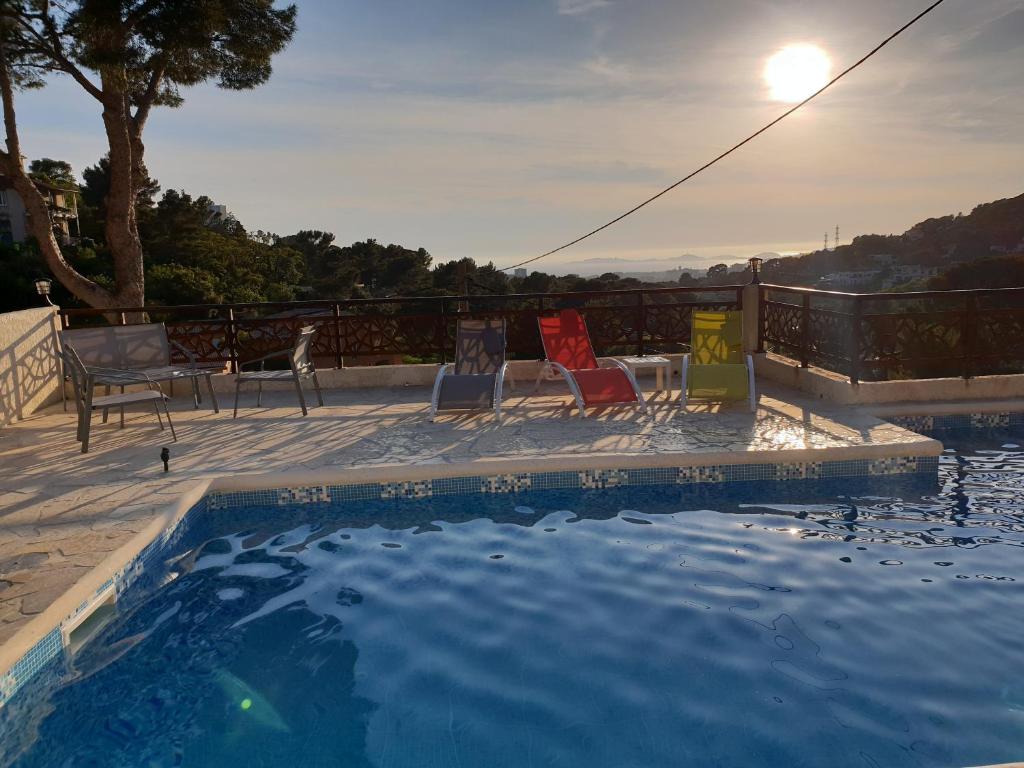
(854, 622)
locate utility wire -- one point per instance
(749, 138)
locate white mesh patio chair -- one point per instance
(83, 385)
(301, 368)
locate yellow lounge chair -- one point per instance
(716, 368)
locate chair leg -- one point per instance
(259, 394)
(213, 395)
(319, 394)
(167, 413)
(156, 407)
(540, 375)
(238, 386)
(122, 408)
(302, 397)
(106, 411)
(197, 398)
(86, 425)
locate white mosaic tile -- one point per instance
(315, 494)
(515, 483)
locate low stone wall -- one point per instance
(29, 369)
(836, 388)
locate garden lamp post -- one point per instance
(755, 269)
(43, 286)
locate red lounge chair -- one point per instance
(568, 350)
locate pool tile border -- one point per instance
(149, 564)
(959, 421)
(587, 479)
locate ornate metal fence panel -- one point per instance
(887, 336)
(379, 330)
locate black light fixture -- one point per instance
(43, 285)
(754, 262)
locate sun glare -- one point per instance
(797, 71)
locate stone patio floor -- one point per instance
(62, 512)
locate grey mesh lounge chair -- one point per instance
(83, 385)
(475, 380)
(142, 348)
(301, 368)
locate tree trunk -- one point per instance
(121, 228)
(39, 222)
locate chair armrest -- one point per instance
(261, 360)
(192, 361)
(119, 374)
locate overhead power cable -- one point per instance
(747, 140)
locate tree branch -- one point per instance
(53, 47)
(35, 205)
(148, 97)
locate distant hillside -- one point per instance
(922, 253)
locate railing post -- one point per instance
(336, 311)
(967, 326)
(761, 316)
(444, 331)
(805, 331)
(232, 340)
(856, 341)
(642, 326)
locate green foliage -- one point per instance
(993, 272)
(56, 172)
(194, 257)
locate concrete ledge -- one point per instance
(836, 388)
(957, 408)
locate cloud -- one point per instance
(577, 7)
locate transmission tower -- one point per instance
(826, 241)
(835, 243)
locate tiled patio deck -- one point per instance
(61, 512)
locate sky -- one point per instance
(500, 130)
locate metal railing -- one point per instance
(887, 336)
(635, 321)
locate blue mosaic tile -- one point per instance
(546, 481)
(651, 476)
(454, 486)
(959, 421)
(38, 656)
(360, 492)
(738, 473)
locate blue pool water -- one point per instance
(842, 623)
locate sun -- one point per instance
(795, 72)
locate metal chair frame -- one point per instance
(84, 381)
(300, 361)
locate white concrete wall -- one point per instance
(836, 388)
(29, 370)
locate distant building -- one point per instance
(520, 272)
(850, 279)
(909, 273)
(218, 212)
(63, 205)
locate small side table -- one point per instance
(662, 368)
